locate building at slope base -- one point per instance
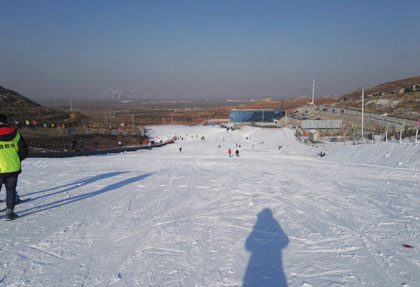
(256, 117)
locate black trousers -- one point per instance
(10, 182)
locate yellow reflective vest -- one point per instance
(9, 157)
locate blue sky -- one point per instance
(205, 49)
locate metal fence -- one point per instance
(322, 124)
(383, 118)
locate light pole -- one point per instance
(133, 124)
(363, 108)
(313, 91)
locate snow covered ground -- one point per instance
(271, 217)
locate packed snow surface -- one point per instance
(270, 217)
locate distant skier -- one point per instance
(237, 152)
(96, 144)
(230, 153)
(81, 145)
(322, 153)
(73, 144)
(180, 149)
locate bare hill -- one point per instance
(398, 98)
(19, 108)
(10, 100)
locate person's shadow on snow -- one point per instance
(266, 241)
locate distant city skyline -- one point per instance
(205, 49)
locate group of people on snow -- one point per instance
(230, 152)
(77, 146)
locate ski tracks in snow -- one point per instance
(165, 218)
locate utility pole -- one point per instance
(363, 109)
(343, 129)
(313, 91)
(133, 123)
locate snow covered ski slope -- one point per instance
(270, 217)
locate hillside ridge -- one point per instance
(400, 98)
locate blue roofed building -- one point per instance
(260, 117)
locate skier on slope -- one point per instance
(73, 144)
(237, 152)
(230, 153)
(81, 145)
(13, 150)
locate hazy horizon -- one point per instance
(205, 50)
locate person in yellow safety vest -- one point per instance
(13, 150)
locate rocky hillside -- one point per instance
(11, 100)
(398, 98)
(19, 108)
